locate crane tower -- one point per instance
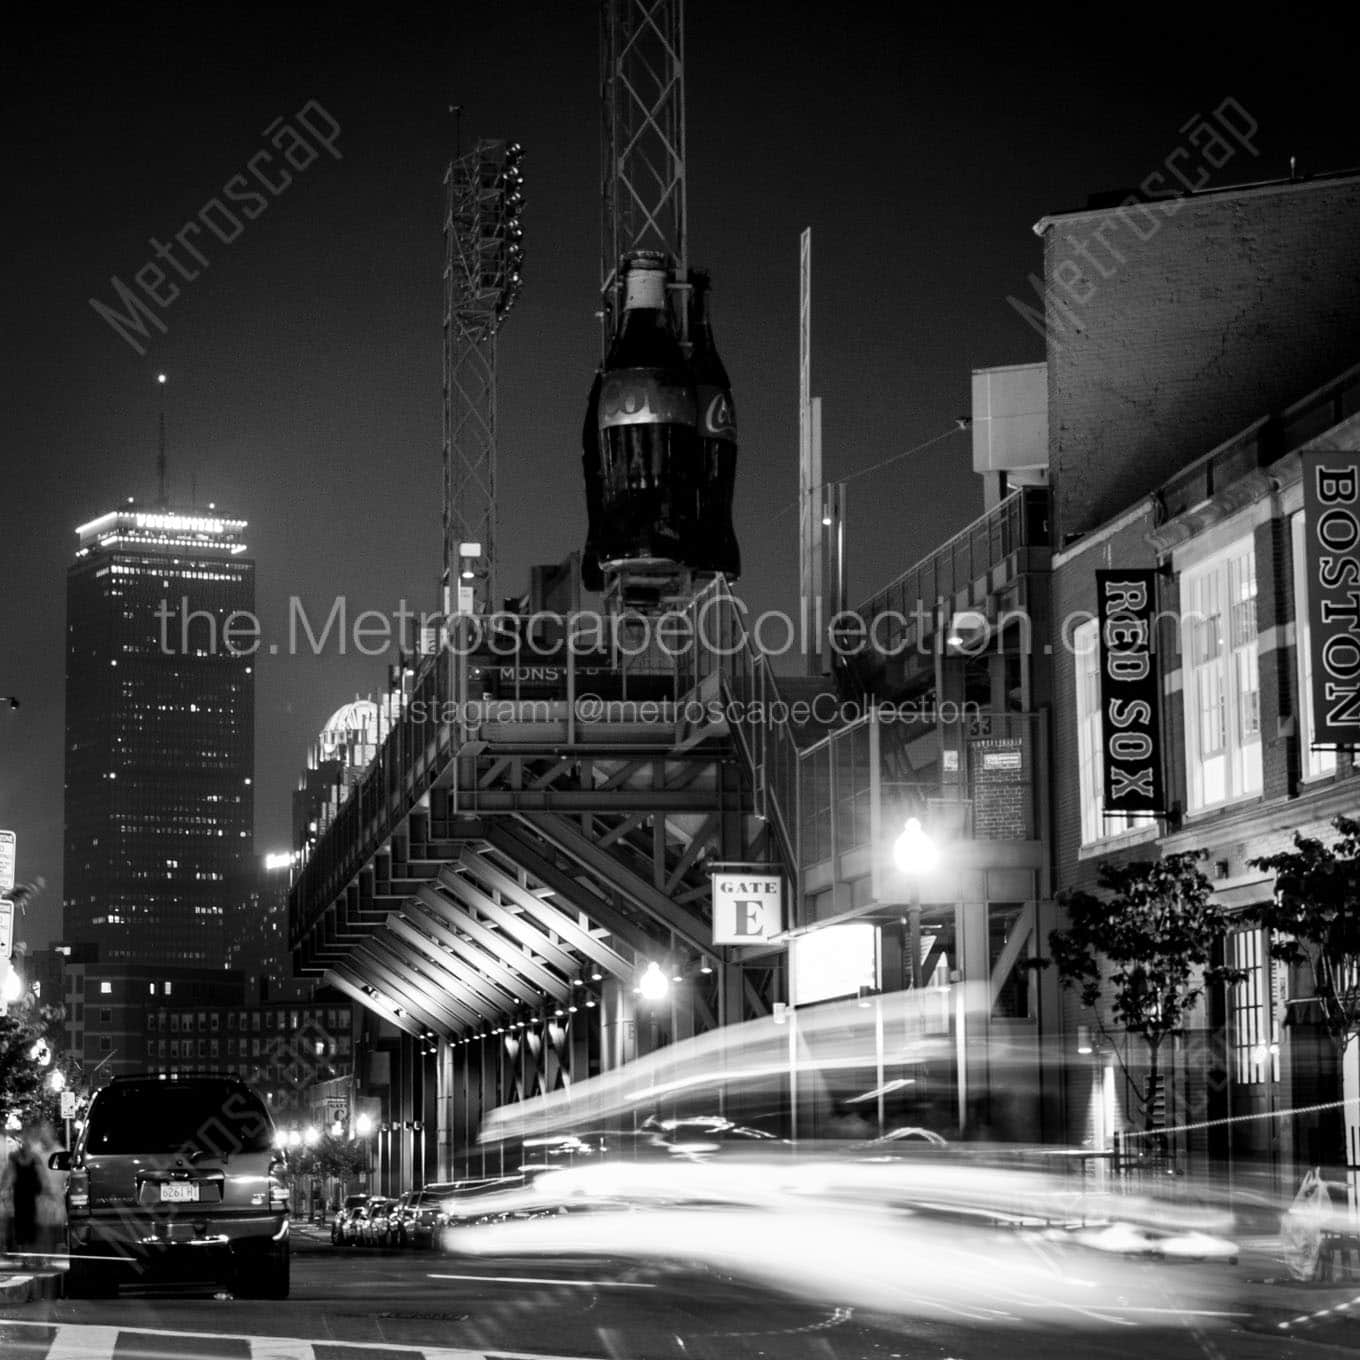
(642, 64)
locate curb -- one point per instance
(29, 1287)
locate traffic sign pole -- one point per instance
(8, 846)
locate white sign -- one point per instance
(7, 843)
(748, 907)
(68, 1104)
(834, 961)
(6, 927)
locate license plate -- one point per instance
(179, 1192)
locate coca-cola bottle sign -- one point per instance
(640, 396)
(720, 415)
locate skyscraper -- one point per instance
(160, 720)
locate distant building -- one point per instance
(257, 935)
(160, 719)
(342, 751)
(107, 1003)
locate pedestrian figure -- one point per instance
(24, 1183)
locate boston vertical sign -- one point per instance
(1331, 535)
(1129, 731)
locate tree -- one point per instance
(24, 1089)
(1314, 922)
(1146, 948)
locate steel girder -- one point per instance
(413, 975)
(560, 833)
(343, 977)
(386, 974)
(514, 925)
(513, 840)
(459, 975)
(458, 915)
(470, 954)
(553, 917)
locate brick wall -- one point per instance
(1159, 349)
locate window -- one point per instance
(105, 1015)
(1221, 679)
(1095, 826)
(1255, 1033)
(106, 989)
(105, 1044)
(1312, 764)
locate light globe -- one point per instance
(914, 850)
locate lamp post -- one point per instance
(363, 1126)
(915, 854)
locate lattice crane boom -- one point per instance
(643, 202)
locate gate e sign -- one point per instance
(8, 841)
(748, 907)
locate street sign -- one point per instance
(7, 843)
(6, 927)
(68, 1104)
(748, 907)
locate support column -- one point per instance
(444, 1111)
(971, 1009)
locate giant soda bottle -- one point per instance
(591, 576)
(648, 455)
(717, 429)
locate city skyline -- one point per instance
(320, 427)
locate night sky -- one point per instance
(304, 361)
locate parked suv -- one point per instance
(177, 1176)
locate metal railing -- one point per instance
(902, 611)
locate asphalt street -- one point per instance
(395, 1305)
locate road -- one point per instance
(444, 1308)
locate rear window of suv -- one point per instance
(163, 1117)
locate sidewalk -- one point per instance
(24, 1281)
(1328, 1312)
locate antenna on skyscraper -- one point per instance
(160, 454)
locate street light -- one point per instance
(915, 854)
(653, 984)
(915, 851)
(12, 988)
(56, 1079)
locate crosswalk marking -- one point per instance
(83, 1343)
(78, 1341)
(279, 1348)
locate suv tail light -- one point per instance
(78, 1192)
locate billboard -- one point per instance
(835, 961)
(1331, 546)
(1130, 734)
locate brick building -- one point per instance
(1201, 369)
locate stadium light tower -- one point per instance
(483, 262)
